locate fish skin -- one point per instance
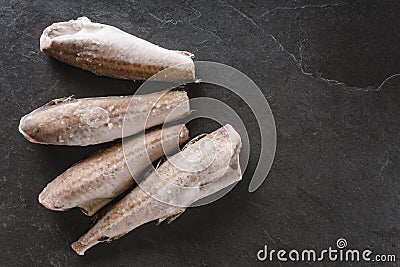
(95, 181)
(109, 51)
(169, 196)
(88, 121)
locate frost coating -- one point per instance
(168, 191)
(97, 120)
(106, 50)
(95, 181)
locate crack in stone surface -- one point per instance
(298, 64)
(299, 60)
(301, 7)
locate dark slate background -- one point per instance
(328, 70)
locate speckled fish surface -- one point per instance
(202, 168)
(95, 181)
(88, 121)
(106, 50)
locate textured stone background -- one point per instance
(329, 70)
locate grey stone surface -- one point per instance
(328, 71)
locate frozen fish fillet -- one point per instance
(106, 50)
(95, 181)
(88, 121)
(204, 167)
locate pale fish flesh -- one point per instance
(106, 50)
(95, 181)
(203, 167)
(88, 121)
